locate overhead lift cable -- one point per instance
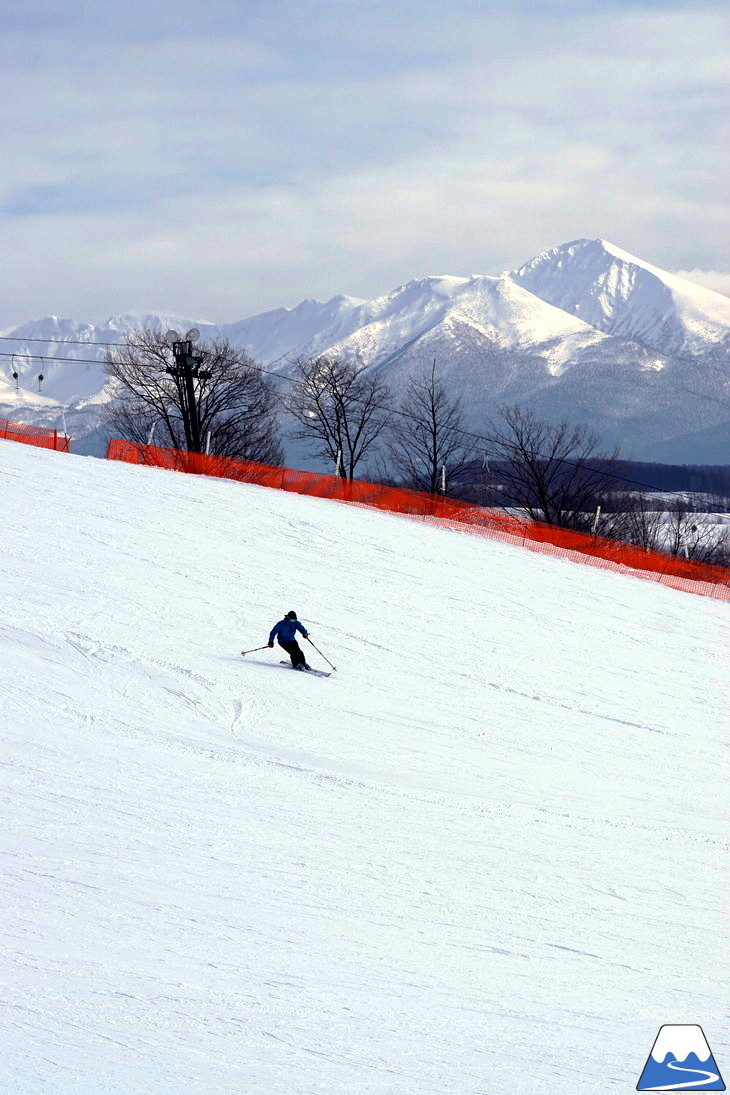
(402, 414)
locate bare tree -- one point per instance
(687, 530)
(342, 411)
(428, 434)
(632, 516)
(684, 525)
(555, 472)
(238, 405)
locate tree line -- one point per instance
(346, 414)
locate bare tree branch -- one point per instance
(341, 410)
(556, 473)
(238, 405)
(688, 525)
(428, 434)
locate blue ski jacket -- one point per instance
(286, 630)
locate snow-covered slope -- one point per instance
(470, 861)
(77, 378)
(69, 357)
(622, 295)
(30, 354)
(498, 312)
(309, 328)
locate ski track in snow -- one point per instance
(464, 863)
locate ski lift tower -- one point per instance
(186, 370)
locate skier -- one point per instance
(285, 631)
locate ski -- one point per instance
(317, 672)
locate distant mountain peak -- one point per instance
(585, 331)
(130, 321)
(622, 295)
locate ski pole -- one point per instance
(321, 654)
(266, 647)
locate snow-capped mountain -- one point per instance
(622, 295)
(69, 355)
(311, 327)
(497, 311)
(584, 331)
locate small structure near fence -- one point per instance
(656, 566)
(34, 435)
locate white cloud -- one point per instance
(717, 280)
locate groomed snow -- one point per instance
(466, 863)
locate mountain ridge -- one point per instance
(620, 294)
(584, 328)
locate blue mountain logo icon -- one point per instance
(680, 1060)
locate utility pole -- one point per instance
(596, 519)
(186, 370)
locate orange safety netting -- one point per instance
(34, 435)
(657, 566)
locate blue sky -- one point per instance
(223, 158)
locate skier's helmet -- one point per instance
(291, 615)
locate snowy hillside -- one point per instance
(309, 328)
(470, 861)
(72, 380)
(624, 296)
(498, 311)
